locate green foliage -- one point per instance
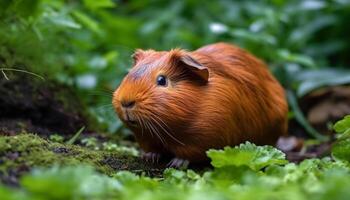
(341, 148)
(88, 43)
(69, 183)
(90, 142)
(56, 138)
(343, 126)
(259, 172)
(248, 154)
(113, 147)
(93, 143)
(314, 79)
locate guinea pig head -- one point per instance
(161, 93)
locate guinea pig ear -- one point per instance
(196, 67)
(138, 55)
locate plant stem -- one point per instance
(76, 135)
(19, 70)
(299, 116)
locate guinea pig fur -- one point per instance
(180, 103)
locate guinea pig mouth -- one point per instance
(129, 120)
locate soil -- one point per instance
(38, 106)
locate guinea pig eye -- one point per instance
(162, 80)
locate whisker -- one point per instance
(100, 94)
(154, 121)
(104, 90)
(147, 127)
(141, 123)
(156, 133)
(102, 107)
(165, 130)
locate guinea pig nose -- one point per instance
(128, 104)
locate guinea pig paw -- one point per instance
(151, 157)
(178, 163)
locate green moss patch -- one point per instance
(20, 153)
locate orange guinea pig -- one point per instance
(180, 103)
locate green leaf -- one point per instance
(24, 8)
(285, 55)
(228, 175)
(68, 183)
(261, 38)
(247, 154)
(87, 21)
(343, 125)
(314, 79)
(75, 136)
(341, 149)
(61, 19)
(10, 194)
(93, 4)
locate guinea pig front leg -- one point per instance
(151, 157)
(151, 152)
(184, 155)
(178, 163)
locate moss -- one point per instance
(20, 153)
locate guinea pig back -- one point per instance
(181, 103)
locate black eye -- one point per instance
(161, 80)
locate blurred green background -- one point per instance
(87, 44)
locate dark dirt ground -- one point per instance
(34, 105)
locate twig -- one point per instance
(3, 73)
(19, 70)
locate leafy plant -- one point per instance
(341, 148)
(56, 138)
(110, 146)
(242, 172)
(90, 142)
(248, 154)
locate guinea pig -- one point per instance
(180, 103)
